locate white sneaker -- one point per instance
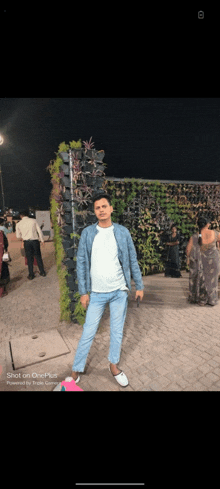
(67, 379)
(121, 378)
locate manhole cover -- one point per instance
(30, 349)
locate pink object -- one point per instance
(70, 386)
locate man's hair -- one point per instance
(101, 195)
(24, 213)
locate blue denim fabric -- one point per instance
(126, 254)
(118, 300)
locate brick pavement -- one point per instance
(168, 344)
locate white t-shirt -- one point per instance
(106, 271)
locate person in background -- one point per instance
(172, 266)
(4, 228)
(4, 271)
(204, 267)
(25, 258)
(29, 231)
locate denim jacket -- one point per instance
(126, 254)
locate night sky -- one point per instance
(151, 138)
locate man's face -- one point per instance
(103, 210)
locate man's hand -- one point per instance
(84, 299)
(43, 243)
(139, 293)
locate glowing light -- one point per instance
(1, 140)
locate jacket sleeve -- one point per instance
(81, 264)
(135, 269)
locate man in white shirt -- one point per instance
(29, 231)
(106, 255)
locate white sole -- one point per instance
(119, 378)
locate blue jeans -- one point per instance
(118, 300)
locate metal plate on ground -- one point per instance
(37, 347)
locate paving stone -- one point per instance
(146, 389)
(172, 376)
(173, 387)
(213, 363)
(205, 368)
(163, 381)
(213, 377)
(193, 376)
(183, 382)
(184, 358)
(155, 386)
(162, 370)
(206, 381)
(217, 371)
(216, 359)
(213, 388)
(152, 374)
(195, 387)
(176, 362)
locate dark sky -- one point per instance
(152, 138)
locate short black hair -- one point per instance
(101, 195)
(25, 212)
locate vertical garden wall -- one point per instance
(149, 208)
(76, 173)
(146, 208)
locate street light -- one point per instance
(3, 197)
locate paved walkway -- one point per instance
(168, 344)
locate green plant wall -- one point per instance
(146, 208)
(55, 205)
(87, 166)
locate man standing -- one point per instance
(28, 230)
(106, 258)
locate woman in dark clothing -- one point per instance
(172, 266)
(4, 271)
